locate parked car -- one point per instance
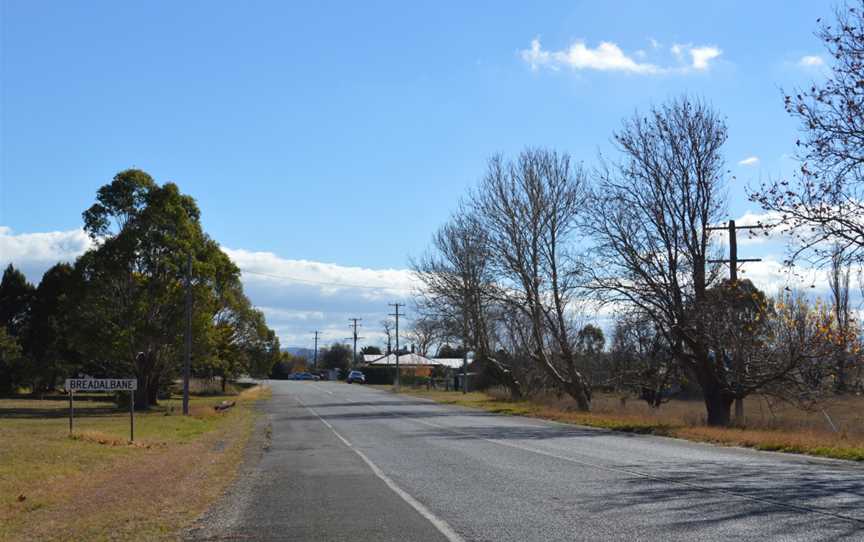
(356, 376)
(303, 376)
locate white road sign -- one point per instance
(102, 384)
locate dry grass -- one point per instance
(769, 425)
(96, 485)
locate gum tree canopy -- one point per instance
(131, 288)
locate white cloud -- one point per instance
(605, 57)
(702, 56)
(608, 56)
(34, 253)
(299, 296)
(296, 296)
(811, 61)
(749, 161)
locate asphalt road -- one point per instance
(352, 463)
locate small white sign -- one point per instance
(102, 384)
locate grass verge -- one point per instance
(796, 437)
(96, 485)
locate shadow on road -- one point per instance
(708, 493)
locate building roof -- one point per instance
(404, 359)
(451, 363)
(369, 358)
(415, 360)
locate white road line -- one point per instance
(443, 527)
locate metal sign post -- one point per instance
(104, 384)
(131, 416)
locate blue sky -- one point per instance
(341, 134)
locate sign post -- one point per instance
(104, 384)
(132, 416)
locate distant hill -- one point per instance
(307, 353)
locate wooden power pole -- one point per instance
(187, 357)
(733, 262)
(354, 337)
(397, 315)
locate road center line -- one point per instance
(442, 526)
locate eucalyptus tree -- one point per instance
(15, 297)
(133, 285)
(11, 362)
(47, 345)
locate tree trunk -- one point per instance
(141, 395)
(718, 403)
(153, 392)
(223, 384)
(719, 408)
(504, 376)
(840, 385)
(578, 392)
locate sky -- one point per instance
(326, 141)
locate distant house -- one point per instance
(413, 360)
(420, 365)
(369, 358)
(405, 360)
(450, 363)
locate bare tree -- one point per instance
(528, 210)
(648, 218)
(640, 360)
(826, 201)
(424, 333)
(803, 338)
(839, 280)
(387, 325)
(458, 291)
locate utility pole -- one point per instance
(315, 355)
(733, 262)
(465, 347)
(396, 314)
(355, 337)
(187, 361)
